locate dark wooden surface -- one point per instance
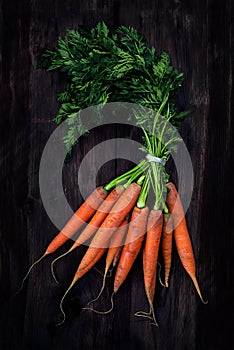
(199, 37)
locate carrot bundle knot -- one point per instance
(154, 159)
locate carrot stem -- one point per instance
(130, 175)
(144, 193)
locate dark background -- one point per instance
(198, 35)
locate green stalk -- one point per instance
(134, 176)
(141, 180)
(158, 113)
(144, 192)
(129, 175)
(157, 179)
(148, 141)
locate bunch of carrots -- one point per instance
(118, 223)
(118, 218)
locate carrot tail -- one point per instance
(144, 314)
(195, 282)
(103, 312)
(102, 288)
(29, 270)
(52, 265)
(109, 274)
(61, 304)
(150, 314)
(159, 275)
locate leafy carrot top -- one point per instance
(101, 67)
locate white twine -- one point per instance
(154, 159)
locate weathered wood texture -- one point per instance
(198, 36)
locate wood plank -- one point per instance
(199, 38)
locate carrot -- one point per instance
(150, 255)
(151, 289)
(99, 216)
(119, 211)
(167, 234)
(117, 256)
(108, 227)
(133, 242)
(102, 237)
(95, 222)
(182, 239)
(115, 244)
(83, 214)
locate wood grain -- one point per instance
(199, 37)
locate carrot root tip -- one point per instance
(143, 314)
(195, 282)
(52, 271)
(102, 274)
(29, 270)
(102, 312)
(102, 288)
(52, 265)
(98, 271)
(159, 275)
(61, 304)
(147, 315)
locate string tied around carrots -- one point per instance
(154, 159)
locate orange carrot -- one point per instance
(95, 222)
(115, 243)
(83, 214)
(150, 254)
(102, 237)
(99, 216)
(133, 242)
(182, 239)
(117, 256)
(87, 266)
(151, 289)
(167, 234)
